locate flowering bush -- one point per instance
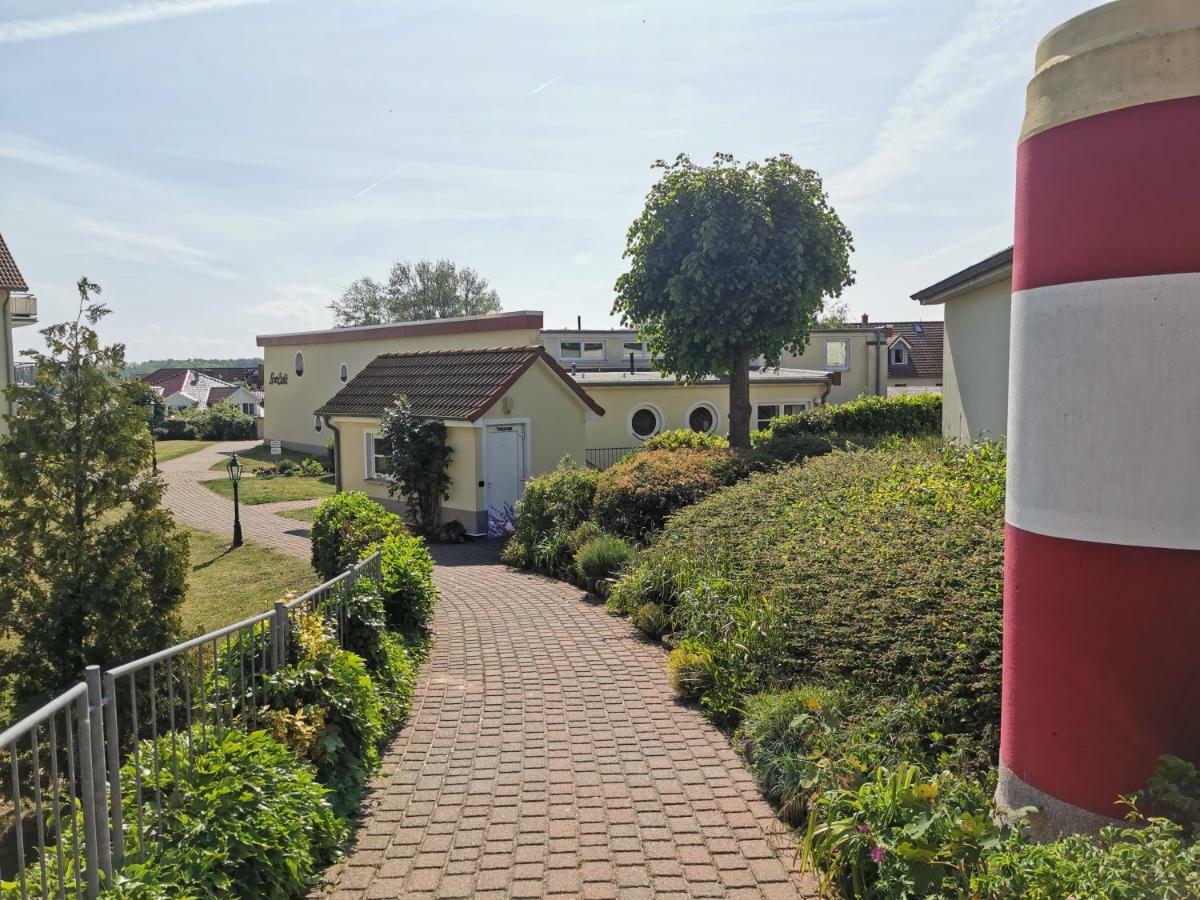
(552, 507)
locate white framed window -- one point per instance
(703, 417)
(379, 456)
(344, 373)
(765, 412)
(581, 350)
(645, 422)
(837, 354)
(299, 365)
(637, 348)
(250, 409)
(899, 355)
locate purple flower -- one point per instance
(862, 829)
(877, 854)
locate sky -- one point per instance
(224, 168)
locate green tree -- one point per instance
(92, 569)
(834, 315)
(421, 290)
(729, 262)
(419, 458)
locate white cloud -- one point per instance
(948, 84)
(20, 30)
(296, 307)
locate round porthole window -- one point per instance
(645, 422)
(702, 418)
(299, 364)
(344, 374)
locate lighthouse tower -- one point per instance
(1102, 566)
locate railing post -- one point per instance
(87, 792)
(99, 775)
(114, 766)
(279, 636)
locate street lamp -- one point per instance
(235, 475)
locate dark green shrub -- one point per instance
(1124, 864)
(311, 467)
(553, 506)
(223, 422)
(329, 462)
(686, 439)
(176, 428)
(881, 567)
(600, 560)
(782, 448)
(407, 584)
(326, 708)
(242, 818)
(419, 462)
(1173, 792)
(635, 496)
(913, 415)
(652, 620)
(345, 525)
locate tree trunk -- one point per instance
(739, 402)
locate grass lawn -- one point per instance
(307, 514)
(253, 491)
(226, 586)
(175, 449)
(260, 457)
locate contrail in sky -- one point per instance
(373, 185)
(542, 87)
(17, 31)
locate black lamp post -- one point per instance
(235, 475)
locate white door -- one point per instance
(504, 466)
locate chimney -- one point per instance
(866, 320)
(632, 369)
(579, 323)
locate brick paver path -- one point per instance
(546, 755)
(195, 505)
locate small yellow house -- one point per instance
(511, 413)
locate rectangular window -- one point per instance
(637, 348)
(837, 355)
(792, 409)
(379, 457)
(250, 409)
(764, 413)
(899, 357)
(581, 350)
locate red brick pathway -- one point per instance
(195, 505)
(546, 756)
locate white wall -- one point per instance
(975, 363)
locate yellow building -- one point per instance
(17, 308)
(510, 413)
(977, 304)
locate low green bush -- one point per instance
(910, 415)
(223, 422)
(326, 708)
(407, 584)
(1173, 792)
(1131, 863)
(686, 439)
(241, 817)
(600, 560)
(771, 449)
(552, 507)
(176, 428)
(635, 496)
(690, 670)
(345, 525)
(652, 620)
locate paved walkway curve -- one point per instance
(545, 755)
(195, 505)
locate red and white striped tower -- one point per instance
(1102, 567)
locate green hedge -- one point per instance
(407, 584)
(686, 439)
(553, 506)
(635, 496)
(347, 524)
(914, 415)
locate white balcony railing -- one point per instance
(23, 306)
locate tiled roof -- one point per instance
(217, 394)
(925, 349)
(443, 384)
(10, 276)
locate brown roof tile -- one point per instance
(10, 276)
(925, 354)
(443, 384)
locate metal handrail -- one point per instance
(110, 716)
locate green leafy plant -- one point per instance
(635, 496)
(223, 422)
(690, 670)
(420, 459)
(241, 817)
(685, 439)
(1173, 792)
(906, 415)
(332, 689)
(729, 262)
(652, 620)
(311, 467)
(407, 584)
(345, 525)
(553, 506)
(600, 560)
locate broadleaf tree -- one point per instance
(420, 459)
(729, 262)
(420, 290)
(92, 568)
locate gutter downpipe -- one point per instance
(828, 388)
(337, 454)
(9, 363)
(879, 340)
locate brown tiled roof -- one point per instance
(443, 384)
(925, 349)
(10, 276)
(217, 394)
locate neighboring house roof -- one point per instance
(443, 384)
(11, 278)
(643, 378)
(217, 394)
(924, 340)
(501, 321)
(984, 272)
(191, 383)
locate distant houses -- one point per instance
(18, 308)
(183, 389)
